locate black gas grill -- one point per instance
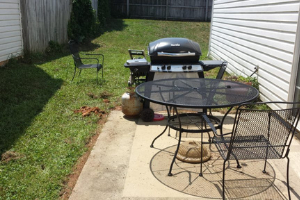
(169, 55)
(174, 51)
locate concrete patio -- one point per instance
(123, 166)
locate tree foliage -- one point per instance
(82, 21)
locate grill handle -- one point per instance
(175, 54)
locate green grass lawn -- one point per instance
(41, 136)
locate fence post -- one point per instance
(127, 8)
(206, 10)
(167, 2)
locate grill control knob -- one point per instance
(163, 67)
(190, 67)
(169, 67)
(184, 67)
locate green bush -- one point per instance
(82, 21)
(252, 80)
(53, 48)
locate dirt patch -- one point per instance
(86, 111)
(9, 155)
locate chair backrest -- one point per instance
(265, 133)
(211, 64)
(73, 46)
(222, 70)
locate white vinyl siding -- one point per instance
(10, 29)
(255, 33)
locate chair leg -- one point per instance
(97, 76)
(79, 72)
(237, 163)
(74, 73)
(266, 158)
(287, 177)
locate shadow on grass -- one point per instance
(25, 90)
(112, 25)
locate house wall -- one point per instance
(43, 21)
(10, 30)
(255, 33)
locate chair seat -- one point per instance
(98, 66)
(248, 148)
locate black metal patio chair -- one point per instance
(260, 134)
(211, 64)
(78, 60)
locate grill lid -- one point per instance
(174, 51)
(174, 47)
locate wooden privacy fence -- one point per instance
(44, 20)
(191, 10)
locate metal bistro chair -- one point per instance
(78, 60)
(260, 134)
(211, 64)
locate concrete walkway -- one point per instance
(123, 166)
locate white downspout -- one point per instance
(295, 65)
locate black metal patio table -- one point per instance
(195, 93)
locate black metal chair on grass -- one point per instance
(260, 134)
(78, 60)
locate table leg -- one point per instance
(205, 120)
(167, 125)
(222, 121)
(200, 174)
(179, 140)
(152, 144)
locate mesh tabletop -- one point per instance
(196, 92)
